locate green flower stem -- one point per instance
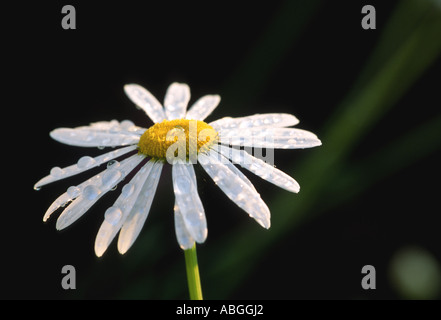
(194, 282)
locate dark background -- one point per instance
(308, 58)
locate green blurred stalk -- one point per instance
(193, 279)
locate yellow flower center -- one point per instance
(177, 138)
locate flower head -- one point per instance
(182, 139)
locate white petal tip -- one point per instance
(130, 86)
(265, 224)
(315, 142)
(54, 134)
(123, 247)
(48, 213)
(99, 252)
(294, 190)
(60, 225)
(294, 187)
(122, 250)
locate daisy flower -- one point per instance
(183, 139)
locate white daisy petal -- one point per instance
(135, 220)
(71, 194)
(225, 160)
(146, 101)
(94, 136)
(117, 214)
(83, 164)
(256, 121)
(184, 237)
(125, 126)
(188, 201)
(203, 107)
(176, 100)
(94, 188)
(260, 168)
(236, 188)
(59, 202)
(275, 138)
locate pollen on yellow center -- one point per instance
(197, 136)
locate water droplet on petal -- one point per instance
(73, 192)
(277, 119)
(127, 190)
(56, 172)
(90, 137)
(113, 215)
(111, 177)
(257, 122)
(91, 192)
(126, 124)
(113, 164)
(85, 162)
(101, 147)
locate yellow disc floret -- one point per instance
(182, 137)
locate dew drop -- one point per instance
(101, 147)
(172, 107)
(37, 188)
(113, 164)
(276, 119)
(126, 124)
(91, 192)
(127, 190)
(73, 192)
(56, 172)
(85, 162)
(113, 215)
(257, 122)
(244, 124)
(111, 177)
(114, 124)
(89, 137)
